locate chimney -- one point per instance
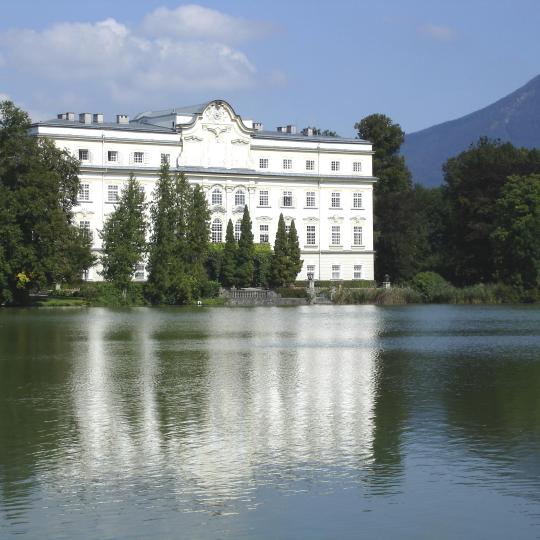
(98, 118)
(291, 129)
(70, 116)
(281, 129)
(85, 118)
(62, 116)
(309, 132)
(257, 126)
(122, 119)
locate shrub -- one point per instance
(433, 287)
(292, 292)
(106, 294)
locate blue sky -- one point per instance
(303, 62)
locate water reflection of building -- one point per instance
(280, 395)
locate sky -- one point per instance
(327, 64)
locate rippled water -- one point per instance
(314, 422)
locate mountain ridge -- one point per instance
(514, 118)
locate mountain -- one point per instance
(514, 118)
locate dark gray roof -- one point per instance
(305, 138)
(188, 110)
(132, 126)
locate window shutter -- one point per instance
(145, 158)
(89, 156)
(131, 158)
(118, 158)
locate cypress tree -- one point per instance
(293, 245)
(280, 260)
(124, 236)
(198, 221)
(246, 252)
(161, 260)
(230, 255)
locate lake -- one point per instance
(413, 422)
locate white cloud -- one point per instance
(197, 22)
(438, 32)
(190, 49)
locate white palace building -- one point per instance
(324, 184)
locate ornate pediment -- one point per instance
(217, 130)
(335, 219)
(218, 209)
(311, 219)
(240, 141)
(264, 219)
(216, 112)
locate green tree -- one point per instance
(39, 245)
(124, 236)
(198, 220)
(230, 256)
(246, 252)
(395, 224)
(280, 261)
(263, 265)
(162, 263)
(474, 181)
(293, 246)
(516, 236)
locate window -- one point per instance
(84, 226)
(310, 199)
(357, 166)
(139, 271)
(263, 198)
(112, 156)
(357, 274)
(138, 157)
(287, 198)
(165, 159)
(237, 229)
(217, 196)
(112, 194)
(336, 235)
(287, 228)
(310, 165)
(263, 163)
(264, 237)
(334, 165)
(311, 239)
(310, 270)
(84, 155)
(240, 198)
(336, 200)
(357, 200)
(84, 192)
(357, 235)
(217, 231)
(287, 163)
(336, 271)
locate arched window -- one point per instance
(240, 197)
(237, 229)
(217, 231)
(217, 196)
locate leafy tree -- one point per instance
(39, 245)
(198, 219)
(516, 237)
(246, 252)
(280, 262)
(433, 215)
(263, 265)
(320, 132)
(293, 245)
(162, 261)
(395, 225)
(230, 255)
(124, 236)
(474, 181)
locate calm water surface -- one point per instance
(313, 422)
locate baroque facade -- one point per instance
(324, 184)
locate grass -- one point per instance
(62, 302)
